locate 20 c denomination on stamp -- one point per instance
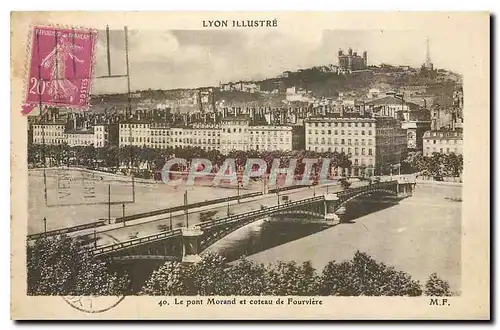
(60, 67)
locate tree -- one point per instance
(291, 279)
(345, 184)
(246, 278)
(437, 287)
(169, 279)
(207, 277)
(363, 276)
(214, 276)
(61, 265)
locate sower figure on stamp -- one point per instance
(60, 88)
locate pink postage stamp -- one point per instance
(60, 68)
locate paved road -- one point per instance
(106, 237)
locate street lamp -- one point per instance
(95, 238)
(228, 208)
(123, 214)
(45, 225)
(186, 207)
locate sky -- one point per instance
(196, 58)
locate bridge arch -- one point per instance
(366, 192)
(300, 212)
(222, 232)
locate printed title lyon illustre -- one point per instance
(240, 23)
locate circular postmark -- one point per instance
(94, 304)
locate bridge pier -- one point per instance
(331, 200)
(191, 244)
(405, 188)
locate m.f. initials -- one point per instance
(439, 302)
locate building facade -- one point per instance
(443, 141)
(80, 138)
(205, 136)
(392, 106)
(271, 137)
(160, 136)
(49, 133)
(235, 134)
(134, 133)
(370, 143)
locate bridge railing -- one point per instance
(184, 207)
(257, 213)
(235, 218)
(67, 230)
(378, 185)
(135, 241)
(286, 188)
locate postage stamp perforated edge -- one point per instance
(28, 57)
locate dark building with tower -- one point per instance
(352, 61)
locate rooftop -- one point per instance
(391, 99)
(444, 134)
(80, 131)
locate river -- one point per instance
(419, 235)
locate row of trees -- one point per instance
(62, 265)
(361, 276)
(437, 165)
(152, 160)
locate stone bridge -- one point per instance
(186, 244)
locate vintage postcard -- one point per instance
(250, 165)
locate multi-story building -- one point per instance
(443, 141)
(234, 134)
(273, 137)
(371, 144)
(205, 136)
(100, 136)
(178, 139)
(392, 106)
(80, 137)
(49, 133)
(160, 136)
(134, 133)
(58, 133)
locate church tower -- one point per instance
(428, 64)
